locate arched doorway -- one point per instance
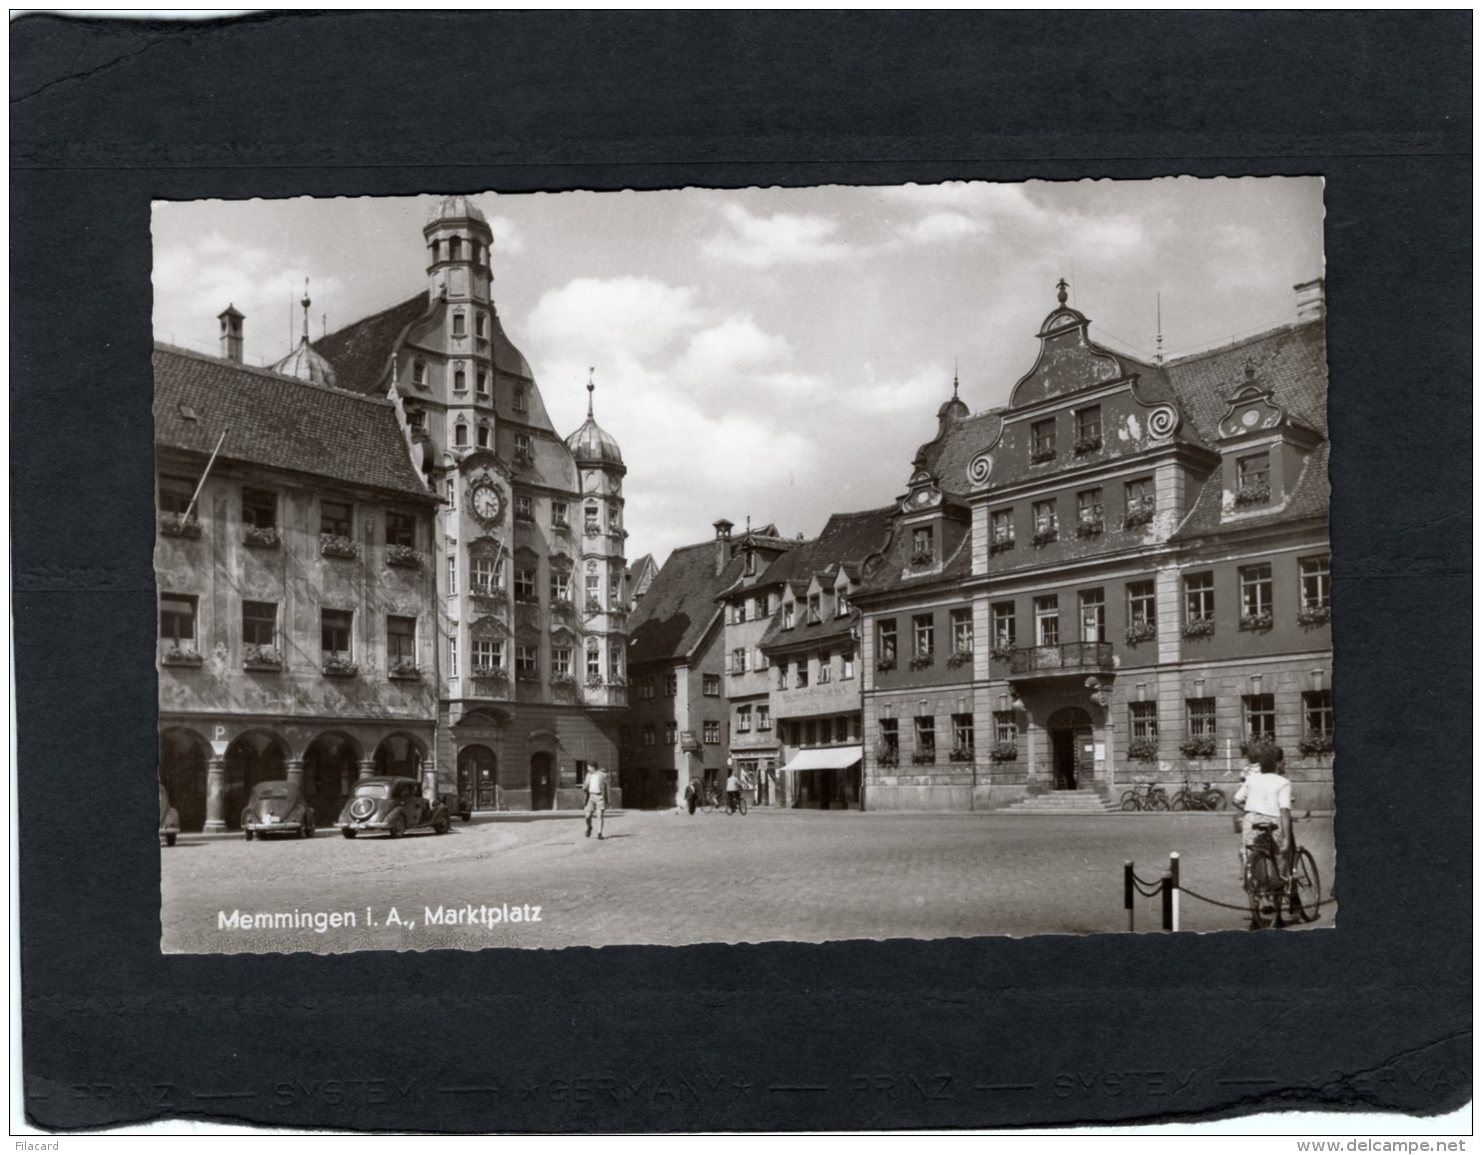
(1070, 747)
(402, 755)
(331, 765)
(478, 777)
(256, 756)
(183, 757)
(542, 782)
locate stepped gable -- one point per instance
(278, 421)
(680, 606)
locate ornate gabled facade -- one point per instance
(1142, 590)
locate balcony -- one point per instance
(1069, 659)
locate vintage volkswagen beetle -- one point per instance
(277, 808)
(169, 819)
(393, 805)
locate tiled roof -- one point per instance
(891, 571)
(361, 353)
(847, 539)
(679, 607)
(279, 422)
(1310, 497)
(1291, 361)
(946, 457)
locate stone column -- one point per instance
(367, 767)
(215, 795)
(296, 771)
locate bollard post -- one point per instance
(1127, 890)
(1173, 875)
(1167, 901)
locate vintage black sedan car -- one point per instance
(169, 819)
(392, 805)
(277, 808)
(462, 807)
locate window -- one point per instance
(841, 603)
(650, 735)
(1142, 604)
(615, 666)
(841, 729)
(712, 732)
(1047, 620)
(416, 419)
(591, 522)
(1199, 597)
(782, 676)
(1260, 716)
(764, 718)
(921, 544)
(450, 489)
(488, 654)
(885, 638)
(1088, 428)
(758, 660)
(1042, 440)
(1002, 523)
(419, 374)
(334, 517)
(1255, 594)
(1317, 582)
(521, 405)
(787, 615)
(593, 585)
(803, 674)
(1046, 525)
(259, 508)
(825, 668)
(524, 585)
(1144, 717)
(1005, 728)
(178, 622)
(1140, 501)
(1253, 477)
(1093, 615)
(962, 733)
(594, 661)
(646, 688)
(483, 436)
(523, 449)
(560, 586)
(815, 609)
(1201, 717)
(480, 323)
(1005, 633)
(738, 661)
(453, 656)
(671, 685)
(710, 685)
(671, 733)
(401, 528)
(527, 660)
(524, 507)
(962, 631)
(401, 640)
(926, 739)
(485, 576)
(334, 632)
(1090, 514)
(890, 737)
(560, 511)
(260, 624)
(743, 719)
(455, 248)
(846, 665)
(460, 381)
(1317, 710)
(923, 636)
(460, 434)
(481, 381)
(452, 569)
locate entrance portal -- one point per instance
(542, 782)
(478, 777)
(1070, 747)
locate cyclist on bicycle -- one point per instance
(1267, 798)
(733, 791)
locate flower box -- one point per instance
(338, 545)
(594, 606)
(1000, 544)
(1141, 632)
(887, 756)
(403, 555)
(617, 681)
(956, 661)
(1312, 744)
(1314, 615)
(1004, 752)
(1090, 528)
(524, 460)
(1083, 445)
(175, 656)
(884, 665)
(1256, 623)
(1045, 536)
(262, 658)
(490, 674)
(1199, 628)
(1197, 748)
(527, 676)
(1002, 652)
(1252, 747)
(404, 668)
(921, 661)
(1143, 749)
(924, 758)
(261, 536)
(1138, 515)
(591, 531)
(922, 557)
(335, 666)
(563, 682)
(1256, 494)
(1044, 453)
(960, 754)
(175, 525)
(595, 682)
(524, 519)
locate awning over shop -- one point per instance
(826, 758)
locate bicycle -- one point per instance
(1145, 796)
(1209, 798)
(710, 799)
(1270, 893)
(738, 804)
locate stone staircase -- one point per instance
(1063, 802)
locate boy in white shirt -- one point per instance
(1267, 797)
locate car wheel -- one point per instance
(247, 834)
(170, 838)
(347, 832)
(309, 828)
(397, 826)
(442, 825)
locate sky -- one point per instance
(777, 354)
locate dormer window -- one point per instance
(419, 374)
(458, 325)
(1253, 479)
(815, 609)
(841, 603)
(787, 615)
(921, 545)
(523, 450)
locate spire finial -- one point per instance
(954, 378)
(306, 303)
(591, 388)
(1060, 288)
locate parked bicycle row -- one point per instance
(1151, 796)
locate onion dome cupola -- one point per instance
(954, 409)
(458, 249)
(305, 362)
(591, 445)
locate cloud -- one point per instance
(779, 239)
(636, 316)
(507, 236)
(942, 227)
(914, 394)
(729, 349)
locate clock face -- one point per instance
(1250, 417)
(488, 502)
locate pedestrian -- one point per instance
(733, 792)
(691, 795)
(595, 788)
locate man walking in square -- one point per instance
(595, 788)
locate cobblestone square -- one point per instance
(672, 879)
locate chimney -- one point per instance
(722, 545)
(231, 333)
(1311, 302)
